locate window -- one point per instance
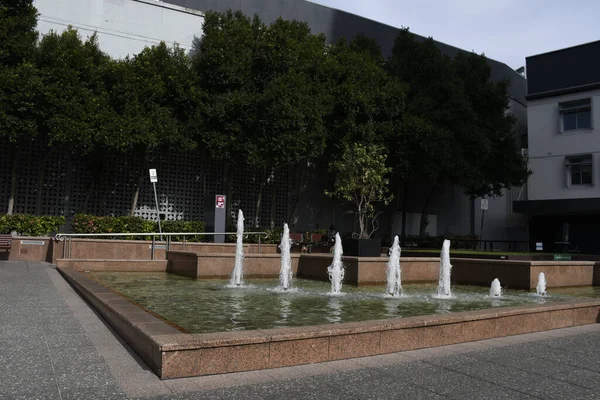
(575, 115)
(579, 170)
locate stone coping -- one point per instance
(521, 262)
(231, 255)
(174, 354)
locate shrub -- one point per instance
(185, 227)
(30, 225)
(83, 223)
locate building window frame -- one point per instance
(580, 170)
(579, 111)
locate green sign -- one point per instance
(562, 257)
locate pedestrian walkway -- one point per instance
(54, 346)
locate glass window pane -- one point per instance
(569, 121)
(584, 119)
(575, 175)
(586, 174)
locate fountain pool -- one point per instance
(202, 306)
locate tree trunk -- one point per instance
(300, 177)
(40, 183)
(273, 200)
(227, 188)
(14, 178)
(404, 201)
(423, 222)
(87, 198)
(136, 193)
(259, 199)
(69, 186)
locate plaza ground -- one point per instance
(54, 346)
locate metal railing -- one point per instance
(67, 238)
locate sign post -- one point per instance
(154, 179)
(220, 214)
(484, 207)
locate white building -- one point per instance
(563, 117)
(124, 27)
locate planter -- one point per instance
(362, 247)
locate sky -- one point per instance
(505, 30)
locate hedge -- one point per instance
(84, 223)
(30, 225)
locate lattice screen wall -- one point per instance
(186, 182)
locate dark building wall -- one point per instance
(575, 67)
(336, 24)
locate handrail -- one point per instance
(67, 238)
(59, 236)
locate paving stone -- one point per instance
(79, 380)
(72, 340)
(108, 392)
(75, 355)
(18, 379)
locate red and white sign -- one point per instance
(219, 201)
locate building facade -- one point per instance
(125, 27)
(563, 117)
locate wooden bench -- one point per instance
(5, 242)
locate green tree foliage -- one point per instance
(75, 115)
(366, 103)
(75, 101)
(152, 96)
(18, 20)
(360, 179)
(456, 126)
(264, 103)
(19, 81)
(498, 163)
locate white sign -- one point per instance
(484, 204)
(219, 201)
(539, 246)
(153, 176)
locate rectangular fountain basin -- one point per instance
(175, 354)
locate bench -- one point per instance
(5, 241)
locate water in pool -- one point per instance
(201, 306)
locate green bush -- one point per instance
(271, 236)
(30, 225)
(83, 223)
(185, 227)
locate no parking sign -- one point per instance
(219, 201)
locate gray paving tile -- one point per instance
(20, 380)
(108, 393)
(24, 330)
(494, 393)
(235, 393)
(79, 380)
(75, 355)
(372, 384)
(40, 393)
(581, 377)
(434, 378)
(63, 328)
(70, 340)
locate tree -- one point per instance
(265, 104)
(153, 95)
(75, 114)
(498, 164)
(360, 179)
(20, 84)
(223, 62)
(438, 118)
(365, 102)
